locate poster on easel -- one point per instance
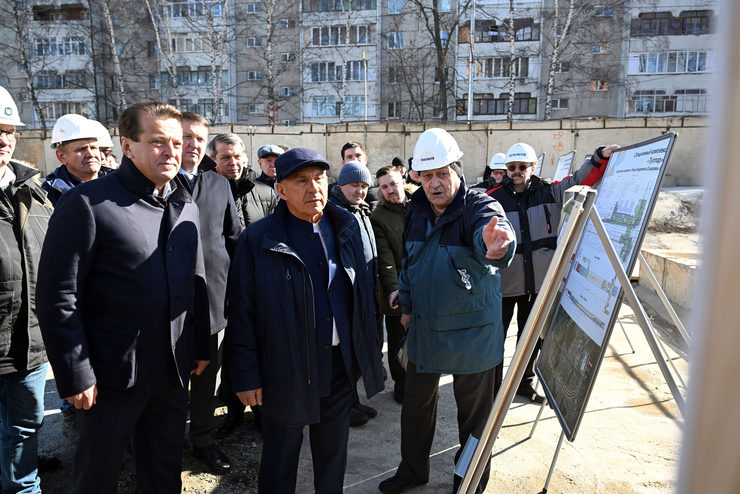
(564, 166)
(538, 168)
(580, 326)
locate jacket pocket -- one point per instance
(112, 348)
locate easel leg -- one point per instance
(537, 420)
(552, 465)
(624, 331)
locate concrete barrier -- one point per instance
(675, 272)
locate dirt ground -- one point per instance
(628, 441)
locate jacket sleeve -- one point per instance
(387, 270)
(66, 257)
(232, 222)
(482, 209)
(589, 173)
(241, 339)
(404, 292)
(201, 307)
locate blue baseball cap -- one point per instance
(269, 149)
(296, 159)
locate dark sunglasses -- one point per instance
(522, 168)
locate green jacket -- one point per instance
(387, 220)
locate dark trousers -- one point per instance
(474, 395)
(281, 444)
(203, 396)
(157, 425)
(395, 332)
(524, 305)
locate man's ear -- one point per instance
(126, 147)
(60, 156)
(280, 189)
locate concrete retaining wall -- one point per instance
(479, 141)
(675, 272)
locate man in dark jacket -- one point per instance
(533, 207)
(349, 194)
(254, 200)
(300, 363)
(387, 220)
(266, 156)
(126, 358)
(219, 230)
(75, 140)
(451, 301)
(24, 217)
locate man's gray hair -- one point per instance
(228, 139)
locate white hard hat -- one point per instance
(498, 162)
(434, 149)
(521, 152)
(72, 127)
(8, 110)
(104, 140)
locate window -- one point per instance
(74, 45)
(255, 75)
(52, 111)
(394, 109)
(184, 43)
(254, 42)
(337, 5)
(560, 104)
(47, 79)
(152, 50)
(45, 47)
(599, 85)
(486, 31)
(395, 6)
(287, 57)
(525, 33)
(354, 106)
(657, 101)
(487, 104)
(600, 48)
(191, 8)
(444, 36)
(562, 67)
(153, 82)
(324, 106)
(395, 75)
(491, 68)
(395, 41)
(695, 21)
(664, 24)
(337, 35)
(443, 5)
(207, 108)
(254, 8)
(559, 31)
(288, 122)
(288, 91)
(669, 62)
(355, 71)
(258, 108)
(75, 79)
(603, 11)
(325, 71)
(286, 24)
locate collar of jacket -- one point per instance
(242, 185)
(534, 183)
(24, 175)
(396, 207)
(206, 164)
(362, 207)
(265, 180)
(276, 232)
(136, 182)
(62, 180)
(420, 204)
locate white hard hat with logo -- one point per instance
(434, 149)
(521, 152)
(8, 109)
(104, 140)
(498, 162)
(71, 127)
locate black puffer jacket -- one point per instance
(254, 200)
(24, 217)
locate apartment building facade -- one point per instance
(286, 62)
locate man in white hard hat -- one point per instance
(494, 173)
(533, 206)
(455, 242)
(24, 216)
(105, 144)
(75, 140)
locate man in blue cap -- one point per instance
(266, 156)
(300, 363)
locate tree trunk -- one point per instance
(114, 54)
(512, 62)
(557, 43)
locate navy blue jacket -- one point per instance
(271, 337)
(120, 286)
(58, 182)
(219, 230)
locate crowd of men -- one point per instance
(274, 289)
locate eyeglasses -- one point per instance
(12, 135)
(521, 167)
(497, 172)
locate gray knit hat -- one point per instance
(354, 171)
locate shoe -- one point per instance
(369, 411)
(229, 424)
(397, 484)
(48, 463)
(398, 396)
(357, 418)
(528, 392)
(212, 456)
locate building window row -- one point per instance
(332, 72)
(657, 101)
(50, 47)
(329, 106)
(500, 67)
(488, 104)
(664, 24)
(337, 5)
(185, 44)
(72, 79)
(339, 35)
(488, 31)
(204, 106)
(53, 110)
(202, 76)
(673, 62)
(192, 8)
